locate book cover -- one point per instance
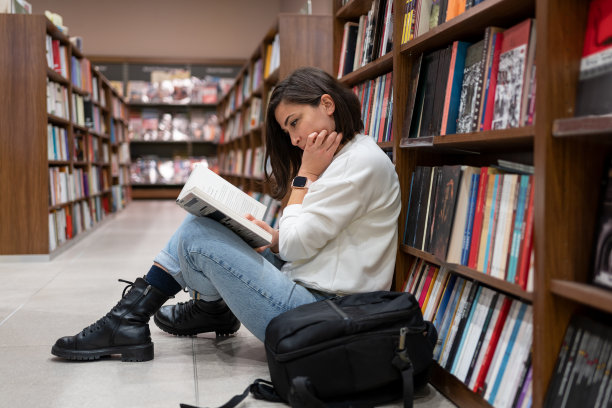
(436, 295)
(207, 194)
(469, 100)
(489, 102)
(502, 233)
(444, 210)
(444, 301)
(437, 106)
(595, 80)
(527, 77)
(454, 325)
(347, 52)
(511, 71)
(414, 105)
(426, 178)
(491, 37)
(431, 63)
(478, 217)
(461, 213)
(488, 224)
(602, 266)
(493, 309)
(461, 352)
(453, 88)
(479, 384)
(449, 315)
(430, 288)
(516, 231)
(466, 314)
(527, 241)
(562, 359)
(469, 223)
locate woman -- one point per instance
(337, 234)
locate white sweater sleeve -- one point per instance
(329, 206)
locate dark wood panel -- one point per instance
(23, 139)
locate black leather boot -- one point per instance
(197, 316)
(124, 330)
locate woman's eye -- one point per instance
(293, 123)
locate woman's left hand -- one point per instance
(318, 153)
(274, 244)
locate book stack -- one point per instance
(368, 39)
(376, 98)
(469, 87)
(484, 337)
(478, 217)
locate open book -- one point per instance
(206, 194)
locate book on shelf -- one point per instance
(348, 48)
(471, 88)
(478, 217)
(581, 376)
(206, 194)
(512, 69)
(602, 267)
(595, 78)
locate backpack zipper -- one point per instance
(336, 309)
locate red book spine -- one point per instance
(525, 253)
(385, 107)
(478, 217)
(426, 286)
(488, 119)
(56, 56)
(488, 357)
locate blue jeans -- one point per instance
(207, 257)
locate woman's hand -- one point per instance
(318, 153)
(274, 244)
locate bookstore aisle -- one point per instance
(41, 301)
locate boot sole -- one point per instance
(141, 352)
(219, 331)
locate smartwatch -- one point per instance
(301, 182)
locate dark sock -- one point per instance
(163, 281)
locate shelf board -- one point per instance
(59, 162)
(583, 293)
(57, 77)
(514, 138)
(452, 388)
(386, 145)
(591, 127)
(471, 24)
(160, 105)
(496, 283)
(272, 79)
(353, 9)
(79, 91)
(58, 120)
(369, 71)
(140, 191)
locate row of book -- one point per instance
(582, 374)
(469, 87)
(421, 16)
(57, 56)
(376, 96)
(272, 57)
(93, 116)
(119, 193)
(243, 122)
(273, 208)
(57, 143)
(66, 185)
(478, 217)
(69, 221)
(155, 170)
(155, 125)
(118, 132)
(80, 74)
(484, 336)
(368, 39)
(247, 163)
(57, 100)
(97, 95)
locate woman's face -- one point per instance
(299, 121)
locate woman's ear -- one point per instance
(328, 104)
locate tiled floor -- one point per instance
(42, 301)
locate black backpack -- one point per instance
(359, 350)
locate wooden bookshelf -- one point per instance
(304, 40)
(568, 155)
(27, 214)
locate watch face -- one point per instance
(299, 182)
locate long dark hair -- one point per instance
(305, 86)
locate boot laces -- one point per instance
(104, 319)
(186, 310)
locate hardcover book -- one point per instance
(602, 268)
(206, 194)
(469, 104)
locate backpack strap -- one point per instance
(261, 389)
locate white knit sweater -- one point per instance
(343, 237)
